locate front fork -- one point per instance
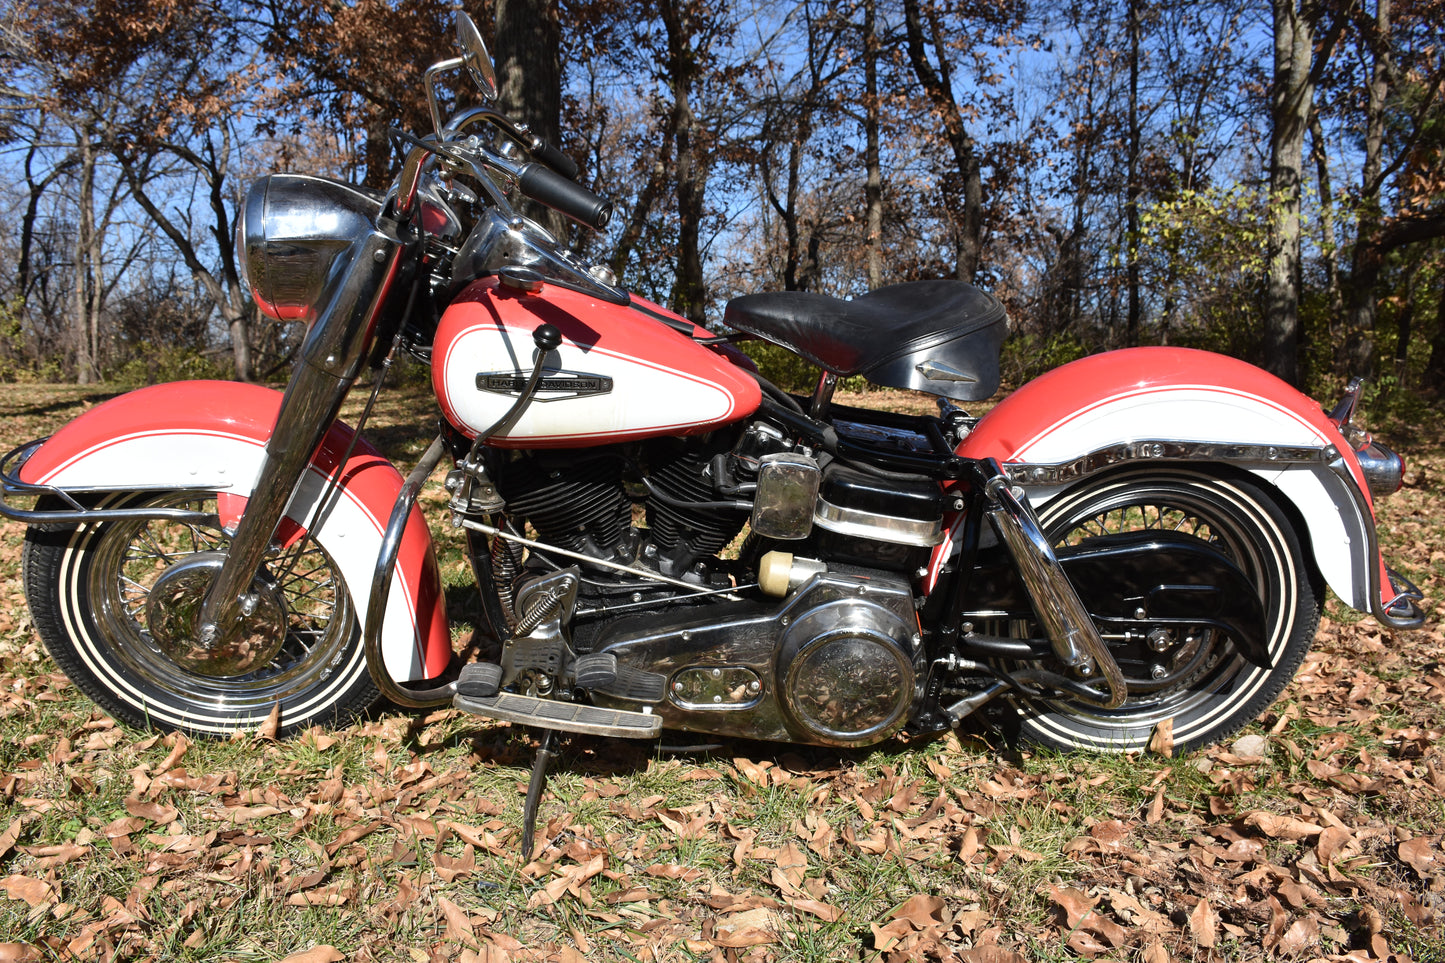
(331, 357)
(312, 400)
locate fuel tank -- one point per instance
(622, 372)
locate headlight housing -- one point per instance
(297, 236)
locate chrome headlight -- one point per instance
(297, 236)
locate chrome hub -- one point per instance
(247, 644)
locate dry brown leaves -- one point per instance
(1316, 836)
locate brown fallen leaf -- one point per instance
(459, 925)
(1162, 741)
(351, 835)
(1282, 827)
(35, 892)
(1203, 924)
(317, 954)
(19, 953)
(1421, 854)
(272, 725)
(992, 953)
(11, 836)
(152, 811)
(753, 927)
(179, 744)
(1301, 935)
(824, 911)
(921, 911)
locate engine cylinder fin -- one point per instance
(570, 503)
(696, 532)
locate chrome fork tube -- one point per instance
(307, 411)
(332, 356)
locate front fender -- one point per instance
(212, 435)
(1178, 404)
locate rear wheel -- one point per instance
(90, 590)
(1201, 683)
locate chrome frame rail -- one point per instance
(381, 587)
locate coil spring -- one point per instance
(504, 573)
(540, 610)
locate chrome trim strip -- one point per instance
(1251, 456)
(885, 528)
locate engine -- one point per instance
(832, 657)
(838, 663)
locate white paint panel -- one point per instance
(645, 399)
(1176, 414)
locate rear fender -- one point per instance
(212, 435)
(1181, 405)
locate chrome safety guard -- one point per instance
(381, 587)
(1069, 626)
(77, 514)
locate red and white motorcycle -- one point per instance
(1140, 536)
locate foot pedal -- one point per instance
(544, 655)
(564, 716)
(479, 680)
(635, 685)
(596, 670)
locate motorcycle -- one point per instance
(662, 539)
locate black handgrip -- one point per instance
(546, 186)
(554, 158)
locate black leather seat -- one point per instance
(886, 334)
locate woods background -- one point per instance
(1261, 178)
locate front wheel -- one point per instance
(1203, 684)
(90, 591)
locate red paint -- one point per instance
(247, 413)
(1068, 391)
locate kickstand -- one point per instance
(534, 792)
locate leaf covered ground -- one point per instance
(1316, 834)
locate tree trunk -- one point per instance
(529, 71)
(1291, 95)
(1329, 253)
(84, 280)
(689, 294)
(968, 237)
(1355, 353)
(873, 185)
(1433, 377)
(1131, 189)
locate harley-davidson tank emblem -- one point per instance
(552, 386)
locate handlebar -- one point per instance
(554, 158)
(547, 180)
(546, 186)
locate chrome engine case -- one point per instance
(838, 663)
